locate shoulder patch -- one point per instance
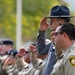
(72, 60)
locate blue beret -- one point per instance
(6, 42)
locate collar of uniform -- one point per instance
(68, 49)
(52, 47)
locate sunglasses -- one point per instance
(56, 33)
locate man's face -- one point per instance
(54, 23)
(4, 48)
(58, 38)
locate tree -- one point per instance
(33, 11)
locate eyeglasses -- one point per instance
(56, 33)
(51, 21)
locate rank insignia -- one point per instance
(72, 60)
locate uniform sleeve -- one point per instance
(20, 63)
(42, 47)
(36, 62)
(11, 70)
(69, 65)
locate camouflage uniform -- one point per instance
(2, 72)
(25, 68)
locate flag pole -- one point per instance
(18, 24)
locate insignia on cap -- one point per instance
(72, 60)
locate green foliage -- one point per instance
(7, 19)
(32, 12)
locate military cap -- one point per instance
(6, 42)
(60, 11)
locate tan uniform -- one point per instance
(27, 70)
(66, 65)
(23, 67)
(38, 64)
(34, 68)
(40, 68)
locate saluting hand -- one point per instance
(21, 52)
(43, 25)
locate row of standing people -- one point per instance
(64, 40)
(59, 16)
(59, 21)
(22, 62)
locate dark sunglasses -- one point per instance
(56, 33)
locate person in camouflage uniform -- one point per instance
(6, 46)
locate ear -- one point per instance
(65, 36)
(52, 36)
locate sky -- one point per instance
(71, 4)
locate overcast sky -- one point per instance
(71, 4)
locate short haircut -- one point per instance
(69, 29)
(66, 19)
